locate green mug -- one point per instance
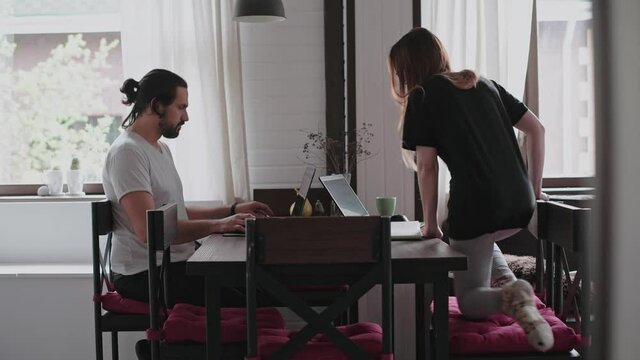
(386, 205)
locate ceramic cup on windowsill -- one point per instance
(53, 179)
(75, 182)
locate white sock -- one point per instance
(503, 280)
(517, 302)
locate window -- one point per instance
(60, 68)
(565, 75)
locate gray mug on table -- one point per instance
(386, 205)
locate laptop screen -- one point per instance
(305, 184)
(343, 195)
(350, 205)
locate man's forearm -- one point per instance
(191, 230)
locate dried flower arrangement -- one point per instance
(340, 154)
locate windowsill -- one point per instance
(568, 190)
(558, 182)
(39, 270)
(61, 198)
(32, 189)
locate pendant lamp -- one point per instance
(256, 11)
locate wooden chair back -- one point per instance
(317, 240)
(162, 227)
(102, 224)
(319, 251)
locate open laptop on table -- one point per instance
(305, 185)
(350, 205)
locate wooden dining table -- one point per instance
(222, 261)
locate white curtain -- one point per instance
(489, 36)
(198, 40)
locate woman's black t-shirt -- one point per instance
(472, 131)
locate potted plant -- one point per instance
(53, 179)
(341, 154)
(75, 178)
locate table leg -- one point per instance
(441, 316)
(585, 294)
(212, 300)
(549, 279)
(540, 268)
(557, 275)
(421, 321)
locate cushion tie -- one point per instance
(154, 334)
(97, 298)
(584, 341)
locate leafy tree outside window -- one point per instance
(55, 110)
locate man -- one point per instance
(139, 175)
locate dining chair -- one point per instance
(280, 201)
(112, 312)
(179, 330)
(560, 227)
(289, 251)
(499, 336)
(563, 229)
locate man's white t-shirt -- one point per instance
(133, 164)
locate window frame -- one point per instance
(56, 24)
(533, 94)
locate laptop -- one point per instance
(349, 204)
(305, 185)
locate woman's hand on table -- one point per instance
(542, 196)
(431, 232)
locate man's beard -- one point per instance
(168, 131)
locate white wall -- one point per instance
(624, 57)
(46, 284)
(379, 24)
(51, 317)
(284, 92)
(45, 233)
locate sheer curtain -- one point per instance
(491, 37)
(199, 41)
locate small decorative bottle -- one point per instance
(318, 209)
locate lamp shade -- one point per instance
(258, 11)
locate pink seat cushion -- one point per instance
(112, 301)
(501, 334)
(188, 323)
(367, 336)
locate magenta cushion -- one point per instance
(501, 334)
(112, 301)
(188, 323)
(367, 336)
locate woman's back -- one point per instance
(472, 131)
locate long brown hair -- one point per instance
(417, 57)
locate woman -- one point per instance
(468, 122)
